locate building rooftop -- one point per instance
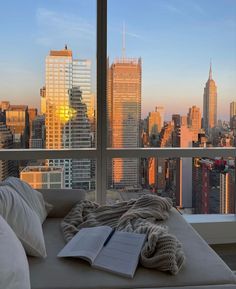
(41, 169)
(64, 52)
(17, 107)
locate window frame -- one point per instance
(102, 153)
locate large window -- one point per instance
(123, 103)
(171, 83)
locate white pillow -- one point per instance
(23, 221)
(14, 268)
(33, 198)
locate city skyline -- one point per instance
(175, 46)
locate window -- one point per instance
(127, 150)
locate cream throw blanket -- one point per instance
(161, 251)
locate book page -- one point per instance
(87, 243)
(121, 254)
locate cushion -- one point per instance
(14, 268)
(62, 200)
(33, 198)
(203, 266)
(23, 221)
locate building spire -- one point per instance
(123, 41)
(210, 71)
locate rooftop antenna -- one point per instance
(210, 71)
(123, 41)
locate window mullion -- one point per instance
(101, 171)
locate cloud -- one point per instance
(54, 25)
(171, 8)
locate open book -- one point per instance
(113, 251)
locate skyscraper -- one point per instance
(227, 192)
(155, 121)
(194, 121)
(33, 112)
(7, 168)
(67, 124)
(43, 100)
(232, 112)
(183, 138)
(124, 116)
(37, 139)
(210, 105)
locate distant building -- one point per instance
(37, 139)
(176, 118)
(43, 177)
(183, 138)
(33, 112)
(227, 192)
(17, 120)
(194, 121)
(7, 168)
(210, 105)
(205, 183)
(158, 167)
(232, 112)
(184, 121)
(155, 122)
(43, 100)
(4, 105)
(124, 117)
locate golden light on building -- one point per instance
(124, 115)
(65, 113)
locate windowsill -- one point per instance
(209, 218)
(214, 228)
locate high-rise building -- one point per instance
(184, 120)
(124, 116)
(183, 138)
(205, 186)
(210, 105)
(176, 118)
(37, 139)
(17, 120)
(43, 100)
(194, 121)
(155, 122)
(67, 123)
(7, 168)
(32, 114)
(43, 177)
(4, 105)
(227, 191)
(232, 112)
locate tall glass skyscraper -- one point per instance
(124, 116)
(67, 122)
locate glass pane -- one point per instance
(171, 73)
(171, 78)
(195, 185)
(48, 82)
(48, 74)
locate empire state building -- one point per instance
(210, 105)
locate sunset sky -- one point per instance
(175, 39)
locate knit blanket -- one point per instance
(161, 251)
